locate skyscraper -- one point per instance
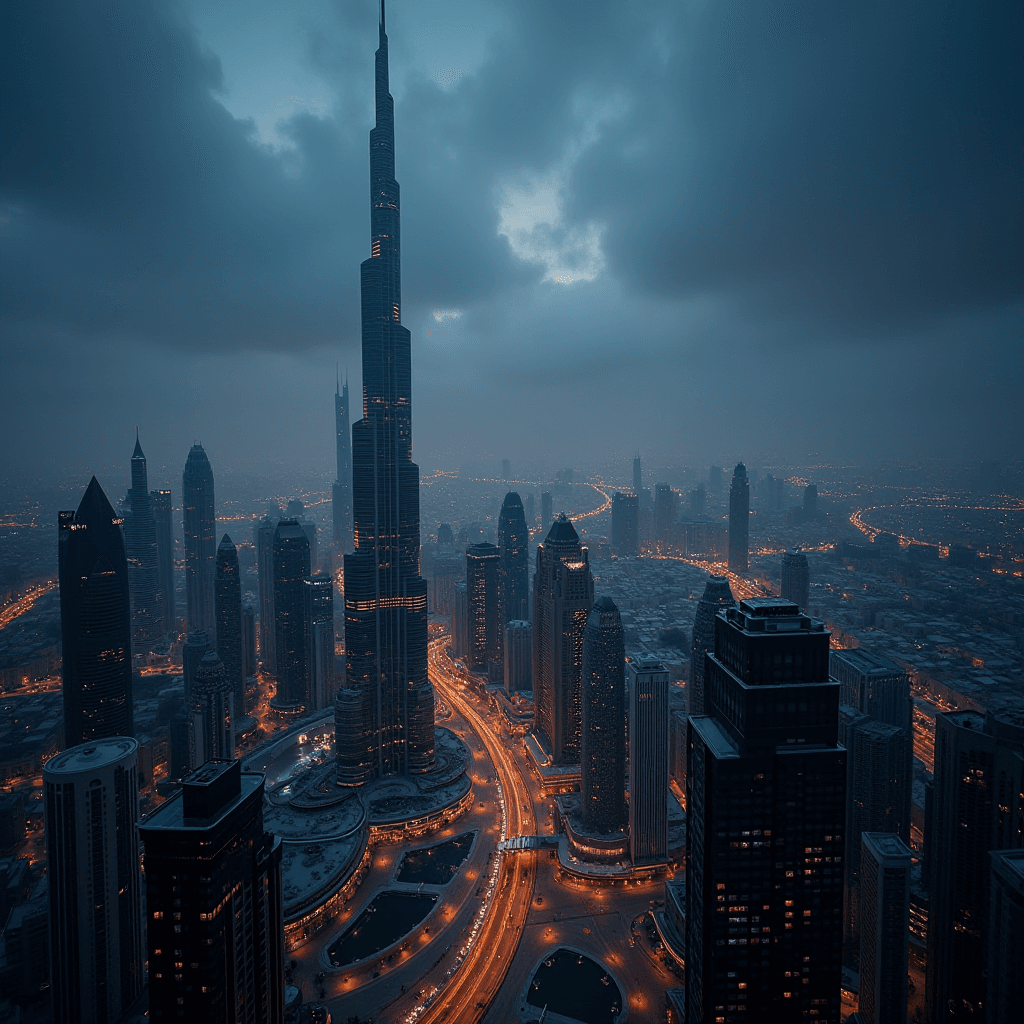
(625, 523)
(385, 596)
(214, 901)
(977, 806)
(874, 685)
(717, 596)
(265, 565)
(796, 579)
(248, 642)
(228, 606)
(545, 512)
(638, 477)
(196, 644)
(95, 621)
(666, 512)
(1006, 937)
(563, 594)
(341, 493)
(648, 761)
(163, 513)
(91, 794)
(765, 798)
(213, 710)
(739, 520)
(460, 619)
(483, 604)
(200, 528)
(291, 567)
(715, 479)
(810, 501)
(143, 564)
(518, 657)
(514, 544)
(885, 918)
(318, 616)
(603, 738)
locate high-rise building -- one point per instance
(213, 710)
(874, 685)
(385, 596)
(739, 520)
(518, 653)
(545, 512)
(506, 469)
(200, 529)
(977, 806)
(796, 578)
(765, 799)
(666, 512)
(318, 615)
(460, 619)
(143, 563)
(163, 518)
(715, 479)
(648, 761)
(341, 493)
(1006, 937)
(563, 594)
(215, 924)
(698, 501)
(878, 794)
(196, 644)
(182, 742)
(514, 544)
(531, 512)
(885, 919)
(91, 795)
(810, 501)
(638, 477)
(265, 565)
(603, 738)
(248, 643)
(228, 606)
(309, 529)
(483, 607)
(95, 621)
(716, 596)
(625, 523)
(291, 567)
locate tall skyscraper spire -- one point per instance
(341, 493)
(143, 565)
(390, 701)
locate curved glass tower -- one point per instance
(385, 596)
(200, 530)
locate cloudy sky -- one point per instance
(700, 229)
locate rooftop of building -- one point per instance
(1009, 865)
(867, 662)
(90, 756)
(886, 843)
(210, 793)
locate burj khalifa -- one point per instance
(385, 715)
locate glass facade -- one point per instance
(200, 529)
(739, 520)
(228, 607)
(514, 544)
(148, 631)
(341, 493)
(717, 596)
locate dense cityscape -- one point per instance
(614, 739)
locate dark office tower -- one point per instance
(874, 685)
(796, 579)
(638, 477)
(291, 567)
(514, 544)
(518, 667)
(885, 918)
(977, 806)
(182, 736)
(214, 715)
(385, 596)
(200, 527)
(739, 520)
(143, 564)
(228, 605)
(765, 799)
(545, 512)
(163, 511)
(95, 621)
(1006, 938)
(603, 738)
(484, 601)
(215, 925)
(563, 594)
(698, 501)
(460, 619)
(625, 523)
(716, 597)
(444, 535)
(248, 642)
(666, 512)
(196, 644)
(810, 501)
(648, 761)
(265, 565)
(91, 795)
(878, 794)
(318, 616)
(715, 479)
(341, 493)
(506, 469)
(531, 512)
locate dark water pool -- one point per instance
(436, 865)
(388, 917)
(574, 985)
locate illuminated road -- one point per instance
(19, 607)
(496, 937)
